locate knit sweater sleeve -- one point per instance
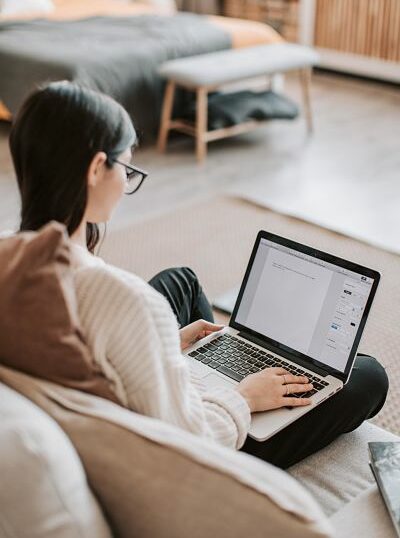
(134, 338)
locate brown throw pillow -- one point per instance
(39, 325)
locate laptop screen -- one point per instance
(306, 303)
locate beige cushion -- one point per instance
(39, 326)
(222, 67)
(365, 516)
(340, 472)
(43, 488)
(154, 480)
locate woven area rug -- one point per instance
(215, 239)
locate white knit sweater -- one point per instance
(134, 338)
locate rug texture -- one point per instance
(372, 218)
(215, 239)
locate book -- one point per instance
(385, 466)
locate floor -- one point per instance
(356, 145)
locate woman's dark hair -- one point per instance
(53, 140)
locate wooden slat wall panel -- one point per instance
(366, 27)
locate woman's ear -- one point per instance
(96, 169)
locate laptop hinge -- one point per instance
(287, 355)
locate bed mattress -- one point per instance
(241, 33)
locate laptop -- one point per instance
(297, 308)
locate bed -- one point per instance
(115, 46)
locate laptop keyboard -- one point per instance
(237, 359)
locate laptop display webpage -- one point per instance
(304, 303)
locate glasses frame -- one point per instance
(130, 169)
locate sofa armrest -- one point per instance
(374, 523)
(155, 480)
(340, 472)
(44, 490)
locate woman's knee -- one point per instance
(370, 384)
(188, 280)
(182, 274)
(181, 277)
(189, 275)
(373, 373)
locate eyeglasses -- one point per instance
(134, 177)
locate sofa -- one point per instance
(48, 483)
(75, 463)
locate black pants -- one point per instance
(361, 398)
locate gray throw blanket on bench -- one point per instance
(118, 56)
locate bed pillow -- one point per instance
(39, 326)
(10, 7)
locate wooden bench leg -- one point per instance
(305, 79)
(166, 115)
(276, 82)
(201, 123)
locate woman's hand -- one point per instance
(196, 331)
(271, 388)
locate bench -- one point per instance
(208, 72)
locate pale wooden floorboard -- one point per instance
(356, 141)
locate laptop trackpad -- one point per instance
(214, 380)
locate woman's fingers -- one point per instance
(290, 378)
(293, 388)
(286, 377)
(204, 328)
(266, 389)
(207, 332)
(211, 327)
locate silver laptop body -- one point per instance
(297, 308)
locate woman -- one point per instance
(71, 149)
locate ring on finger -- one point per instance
(284, 379)
(287, 390)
